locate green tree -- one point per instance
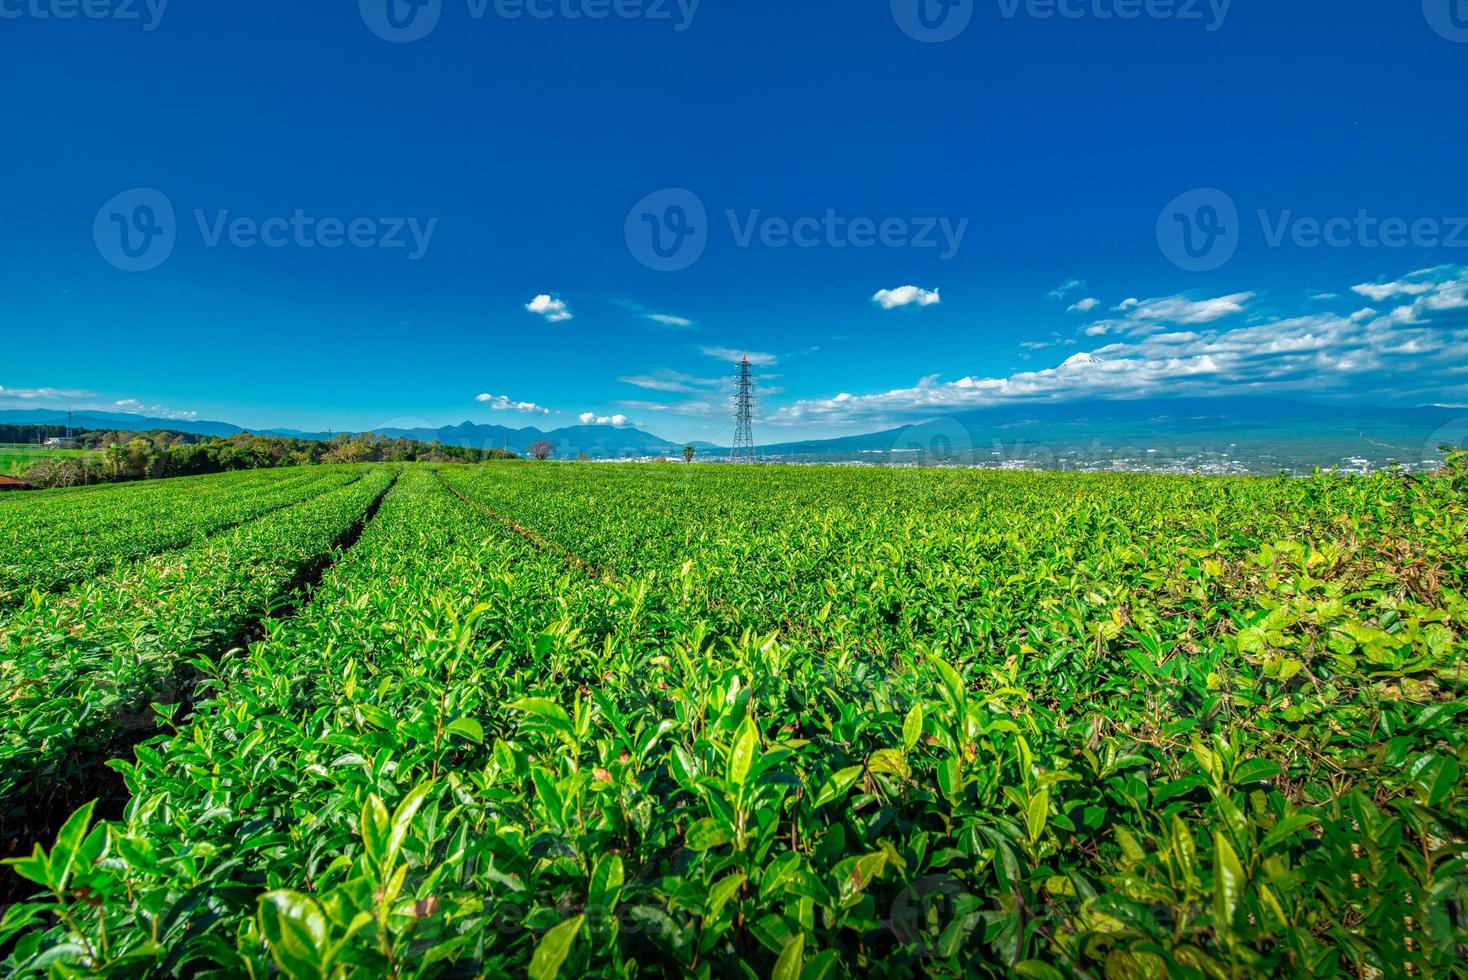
(140, 454)
(117, 456)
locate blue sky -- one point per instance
(1027, 199)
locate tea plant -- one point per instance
(82, 668)
(580, 720)
(52, 539)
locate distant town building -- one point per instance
(57, 442)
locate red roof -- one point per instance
(10, 481)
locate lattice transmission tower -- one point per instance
(743, 451)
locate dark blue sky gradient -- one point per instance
(529, 140)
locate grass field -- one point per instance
(601, 720)
(15, 458)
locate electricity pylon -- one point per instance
(743, 451)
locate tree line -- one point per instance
(116, 456)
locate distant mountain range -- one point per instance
(121, 421)
(600, 441)
(1259, 434)
(1264, 434)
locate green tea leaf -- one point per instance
(1228, 880)
(295, 930)
(466, 728)
(547, 711)
(837, 785)
(1037, 815)
(912, 727)
(792, 959)
(606, 885)
(741, 754)
(723, 890)
(707, 834)
(552, 949)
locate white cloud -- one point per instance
(694, 408)
(1176, 309)
(1056, 340)
(132, 406)
(1435, 290)
(34, 394)
(1059, 293)
(672, 381)
(1361, 354)
(730, 354)
(666, 319)
(1388, 290)
(890, 299)
(503, 403)
(136, 407)
(553, 308)
(1130, 303)
(1149, 316)
(1084, 306)
(591, 418)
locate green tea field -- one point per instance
(16, 459)
(734, 721)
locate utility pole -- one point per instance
(743, 450)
